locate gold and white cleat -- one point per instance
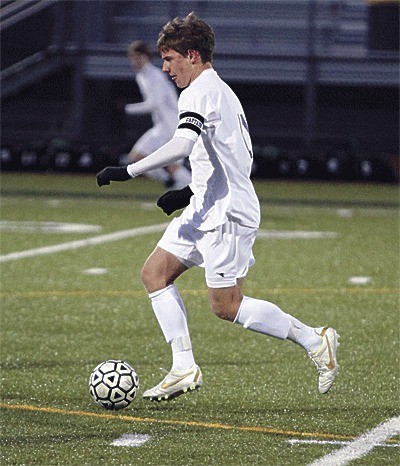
(175, 383)
(325, 359)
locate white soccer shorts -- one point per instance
(226, 253)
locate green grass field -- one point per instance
(260, 396)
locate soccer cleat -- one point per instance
(325, 359)
(174, 384)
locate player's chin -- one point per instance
(179, 83)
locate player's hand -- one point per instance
(174, 200)
(109, 174)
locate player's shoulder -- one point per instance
(152, 69)
(208, 86)
(208, 79)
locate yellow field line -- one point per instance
(90, 293)
(207, 425)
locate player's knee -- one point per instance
(149, 278)
(144, 275)
(222, 314)
(225, 311)
(225, 302)
(153, 279)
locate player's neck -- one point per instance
(198, 69)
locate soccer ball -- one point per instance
(114, 384)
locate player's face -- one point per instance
(179, 67)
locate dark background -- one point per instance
(318, 81)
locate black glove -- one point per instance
(174, 200)
(112, 174)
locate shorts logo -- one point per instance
(222, 274)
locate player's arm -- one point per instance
(139, 108)
(190, 126)
(174, 150)
(151, 99)
(152, 96)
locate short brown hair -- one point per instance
(138, 46)
(190, 33)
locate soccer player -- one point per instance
(161, 101)
(218, 227)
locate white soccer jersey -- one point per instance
(212, 116)
(159, 98)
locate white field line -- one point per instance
(295, 234)
(131, 440)
(95, 240)
(296, 441)
(48, 227)
(118, 235)
(361, 445)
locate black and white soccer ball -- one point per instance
(114, 384)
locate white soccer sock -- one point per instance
(171, 315)
(303, 335)
(263, 317)
(182, 354)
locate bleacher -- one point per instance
(276, 31)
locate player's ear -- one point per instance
(193, 56)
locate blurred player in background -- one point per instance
(161, 101)
(219, 225)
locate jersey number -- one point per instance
(244, 129)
